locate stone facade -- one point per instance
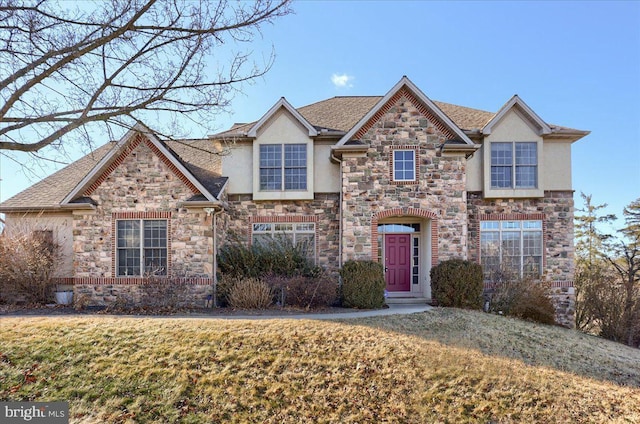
(140, 184)
(556, 212)
(369, 189)
(322, 210)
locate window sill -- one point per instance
(513, 193)
(282, 195)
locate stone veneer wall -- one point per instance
(556, 212)
(323, 210)
(139, 185)
(368, 188)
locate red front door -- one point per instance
(397, 254)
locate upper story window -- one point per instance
(141, 247)
(511, 246)
(283, 167)
(514, 165)
(404, 165)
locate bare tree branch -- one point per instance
(106, 65)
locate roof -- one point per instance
(198, 156)
(342, 113)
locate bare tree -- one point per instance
(67, 68)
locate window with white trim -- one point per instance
(404, 165)
(301, 234)
(141, 247)
(514, 165)
(514, 246)
(277, 174)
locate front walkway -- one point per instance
(391, 310)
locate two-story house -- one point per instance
(399, 179)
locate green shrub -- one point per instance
(304, 292)
(275, 256)
(457, 283)
(524, 298)
(362, 284)
(250, 293)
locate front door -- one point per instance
(397, 261)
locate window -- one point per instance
(141, 247)
(514, 165)
(404, 165)
(274, 171)
(300, 234)
(514, 246)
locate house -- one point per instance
(400, 179)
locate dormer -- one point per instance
(282, 154)
(513, 152)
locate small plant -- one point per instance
(304, 292)
(524, 298)
(250, 293)
(362, 284)
(457, 283)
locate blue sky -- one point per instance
(576, 64)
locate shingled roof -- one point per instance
(341, 113)
(199, 156)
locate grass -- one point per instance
(441, 366)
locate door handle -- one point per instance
(386, 269)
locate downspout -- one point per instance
(339, 212)
(214, 223)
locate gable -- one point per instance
(405, 95)
(136, 137)
(141, 145)
(406, 89)
(282, 127)
(513, 127)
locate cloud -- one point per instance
(342, 80)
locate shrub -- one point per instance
(524, 298)
(162, 292)
(362, 284)
(27, 264)
(304, 292)
(457, 283)
(250, 293)
(274, 256)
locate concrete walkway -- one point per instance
(391, 310)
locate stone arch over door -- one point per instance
(405, 212)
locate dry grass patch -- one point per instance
(172, 370)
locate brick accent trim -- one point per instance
(416, 164)
(404, 92)
(130, 147)
(403, 212)
(516, 217)
(192, 281)
(115, 216)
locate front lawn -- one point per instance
(440, 366)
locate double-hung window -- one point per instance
(513, 246)
(283, 167)
(404, 165)
(514, 165)
(141, 247)
(302, 235)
